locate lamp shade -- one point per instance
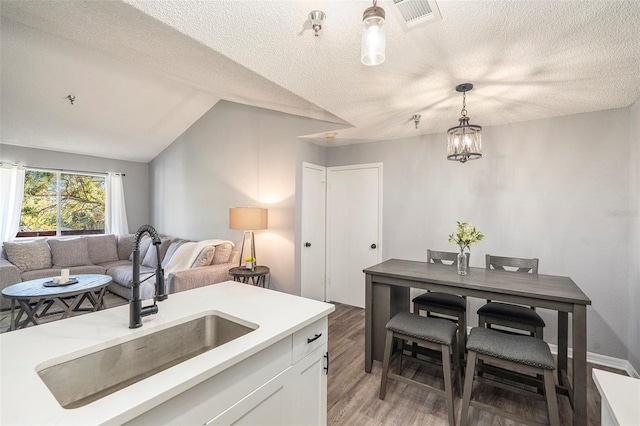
(248, 218)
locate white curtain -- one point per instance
(11, 192)
(115, 210)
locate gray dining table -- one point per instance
(387, 293)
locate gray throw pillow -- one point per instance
(67, 253)
(205, 257)
(143, 247)
(102, 249)
(171, 250)
(150, 257)
(28, 255)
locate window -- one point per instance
(57, 203)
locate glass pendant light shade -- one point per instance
(373, 36)
(464, 141)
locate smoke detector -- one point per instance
(415, 13)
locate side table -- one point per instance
(258, 276)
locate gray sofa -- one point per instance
(111, 255)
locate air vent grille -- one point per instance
(416, 12)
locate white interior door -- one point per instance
(354, 225)
(312, 242)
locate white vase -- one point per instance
(249, 265)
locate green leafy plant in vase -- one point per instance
(464, 236)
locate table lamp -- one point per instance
(248, 219)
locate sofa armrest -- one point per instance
(198, 277)
(9, 273)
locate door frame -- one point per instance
(327, 275)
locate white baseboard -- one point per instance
(603, 360)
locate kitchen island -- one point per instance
(258, 374)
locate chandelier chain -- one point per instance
(464, 104)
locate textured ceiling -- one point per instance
(527, 59)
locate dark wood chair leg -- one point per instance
(385, 364)
(468, 387)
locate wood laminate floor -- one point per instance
(353, 394)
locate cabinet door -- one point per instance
(265, 406)
(309, 389)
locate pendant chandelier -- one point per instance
(464, 142)
(373, 37)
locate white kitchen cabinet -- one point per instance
(285, 383)
(309, 389)
(265, 406)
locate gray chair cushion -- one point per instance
(436, 330)
(514, 313)
(444, 300)
(521, 349)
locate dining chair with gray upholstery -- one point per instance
(525, 354)
(444, 305)
(431, 333)
(517, 317)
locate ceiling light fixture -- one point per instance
(317, 18)
(373, 37)
(464, 142)
(416, 119)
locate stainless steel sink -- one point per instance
(85, 379)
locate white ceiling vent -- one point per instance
(413, 13)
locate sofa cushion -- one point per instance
(40, 273)
(125, 246)
(205, 257)
(123, 274)
(87, 269)
(29, 255)
(107, 265)
(102, 249)
(67, 253)
(150, 257)
(222, 254)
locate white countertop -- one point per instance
(621, 394)
(25, 399)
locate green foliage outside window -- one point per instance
(81, 202)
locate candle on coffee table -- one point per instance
(64, 276)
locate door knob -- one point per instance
(373, 246)
(307, 244)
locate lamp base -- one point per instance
(253, 251)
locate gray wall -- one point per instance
(136, 181)
(551, 189)
(634, 233)
(235, 156)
